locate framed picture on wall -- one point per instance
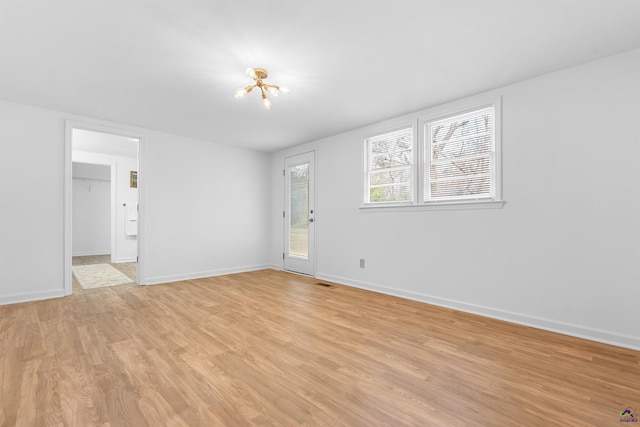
(133, 179)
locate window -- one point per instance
(456, 166)
(389, 167)
(460, 157)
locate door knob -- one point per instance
(310, 219)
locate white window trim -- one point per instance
(418, 203)
(436, 206)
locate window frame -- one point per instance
(420, 139)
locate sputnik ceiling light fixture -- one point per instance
(259, 74)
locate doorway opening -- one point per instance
(95, 261)
(102, 209)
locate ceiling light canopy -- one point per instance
(259, 74)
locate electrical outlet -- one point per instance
(361, 262)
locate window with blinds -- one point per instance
(446, 161)
(460, 157)
(389, 167)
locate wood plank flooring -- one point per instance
(277, 349)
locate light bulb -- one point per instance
(273, 91)
(240, 92)
(267, 103)
(284, 89)
(252, 73)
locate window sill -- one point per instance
(436, 206)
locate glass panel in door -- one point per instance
(299, 211)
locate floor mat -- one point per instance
(98, 276)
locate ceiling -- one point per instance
(173, 65)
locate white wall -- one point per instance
(31, 193)
(210, 204)
(125, 248)
(206, 204)
(91, 209)
(563, 253)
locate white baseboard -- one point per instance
(91, 253)
(597, 335)
(31, 296)
(211, 273)
(130, 259)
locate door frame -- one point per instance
(70, 125)
(312, 200)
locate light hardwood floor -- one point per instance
(272, 348)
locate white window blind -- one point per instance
(460, 157)
(389, 167)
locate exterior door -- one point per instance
(299, 214)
